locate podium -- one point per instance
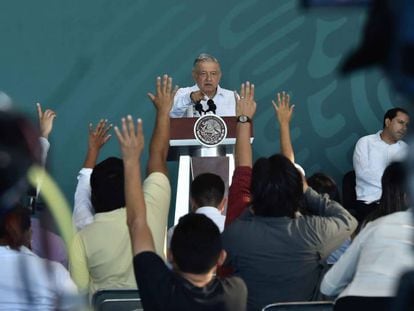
(194, 158)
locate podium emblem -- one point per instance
(210, 130)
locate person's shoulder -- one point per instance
(234, 285)
(233, 281)
(225, 91)
(187, 89)
(367, 138)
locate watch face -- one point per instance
(243, 119)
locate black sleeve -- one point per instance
(151, 271)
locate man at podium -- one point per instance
(206, 96)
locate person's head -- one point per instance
(393, 182)
(196, 245)
(395, 124)
(107, 185)
(19, 149)
(207, 73)
(324, 184)
(277, 187)
(15, 228)
(207, 189)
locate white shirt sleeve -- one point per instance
(343, 271)
(83, 211)
(44, 145)
(182, 102)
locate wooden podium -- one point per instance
(195, 158)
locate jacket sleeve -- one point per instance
(331, 224)
(239, 193)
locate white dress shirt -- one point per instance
(83, 211)
(376, 259)
(28, 282)
(371, 157)
(183, 106)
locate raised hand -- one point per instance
(283, 108)
(197, 96)
(45, 120)
(245, 105)
(99, 136)
(164, 95)
(131, 140)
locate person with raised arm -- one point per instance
(196, 243)
(275, 249)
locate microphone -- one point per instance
(199, 108)
(211, 106)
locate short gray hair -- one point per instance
(204, 57)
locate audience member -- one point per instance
(103, 260)
(196, 243)
(366, 276)
(372, 155)
(394, 196)
(207, 198)
(277, 251)
(27, 282)
(325, 185)
(206, 96)
(45, 242)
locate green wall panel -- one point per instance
(98, 58)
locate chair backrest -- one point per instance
(117, 299)
(348, 190)
(299, 306)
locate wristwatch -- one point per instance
(243, 119)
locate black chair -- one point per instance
(348, 191)
(300, 306)
(362, 303)
(117, 299)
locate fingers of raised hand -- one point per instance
(275, 105)
(158, 85)
(242, 91)
(131, 126)
(49, 114)
(39, 110)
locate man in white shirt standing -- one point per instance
(373, 153)
(206, 96)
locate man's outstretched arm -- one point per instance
(159, 145)
(131, 141)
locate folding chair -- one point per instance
(117, 299)
(300, 306)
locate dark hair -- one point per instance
(196, 244)
(393, 197)
(207, 190)
(14, 226)
(107, 185)
(277, 187)
(324, 184)
(19, 149)
(392, 113)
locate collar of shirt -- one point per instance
(378, 136)
(218, 93)
(207, 210)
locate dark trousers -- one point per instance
(357, 303)
(362, 210)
